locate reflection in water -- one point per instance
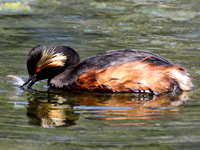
(65, 110)
(50, 114)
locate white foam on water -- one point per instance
(18, 80)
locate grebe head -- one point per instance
(181, 75)
(47, 62)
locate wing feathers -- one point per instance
(137, 76)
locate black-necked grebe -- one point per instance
(126, 70)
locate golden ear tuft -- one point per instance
(52, 59)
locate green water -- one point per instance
(45, 119)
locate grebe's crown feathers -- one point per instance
(50, 58)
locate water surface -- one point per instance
(42, 118)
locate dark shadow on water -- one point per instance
(56, 109)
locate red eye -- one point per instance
(37, 69)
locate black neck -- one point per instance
(66, 77)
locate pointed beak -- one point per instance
(31, 80)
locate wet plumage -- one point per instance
(125, 70)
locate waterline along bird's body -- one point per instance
(126, 70)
